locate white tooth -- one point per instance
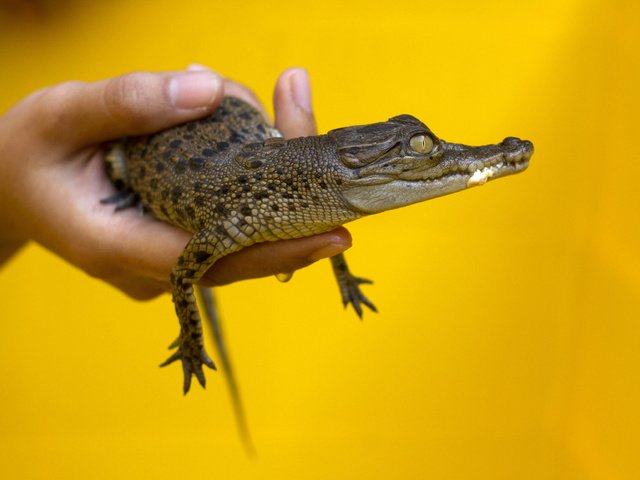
(480, 177)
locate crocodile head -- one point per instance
(395, 163)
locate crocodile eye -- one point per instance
(421, 143)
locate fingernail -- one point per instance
(300, 89)
(328, 250)
(193, 90)
(197, 67)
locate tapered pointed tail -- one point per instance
(211, 316)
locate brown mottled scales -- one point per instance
(232, 181)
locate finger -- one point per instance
(141, 288)
(265, 259)
(292, 104)
(77, 114)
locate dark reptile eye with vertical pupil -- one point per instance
(421, 143)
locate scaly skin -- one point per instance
(232, 181)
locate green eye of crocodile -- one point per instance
(421, 143)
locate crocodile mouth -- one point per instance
(477, 165)
(458, 167)
(507, 163)
(500, 169)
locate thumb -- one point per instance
(77, 114)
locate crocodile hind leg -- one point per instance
(199, 254)
(350, 285)
(190, 344)
(116, 165)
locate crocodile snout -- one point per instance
(517, 144)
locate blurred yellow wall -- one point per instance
(508, 340)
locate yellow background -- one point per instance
(508, 340)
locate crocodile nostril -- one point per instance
(511, 142)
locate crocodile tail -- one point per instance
(211, 316)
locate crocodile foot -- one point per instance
(350, 286)
(351, 294)
(192, 360)
(123, 200)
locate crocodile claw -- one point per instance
(122, 200)
(349, 286)
(191, 365)
(351, 294)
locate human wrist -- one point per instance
(8, 248)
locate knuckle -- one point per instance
(126, 96)
(57, 97)
(51, 106)
(60, 91)
(143, 293)
(130, 284)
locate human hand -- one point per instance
(52, 177)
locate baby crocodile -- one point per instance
(232, 181)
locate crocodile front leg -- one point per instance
(350, 285)
(198, 256)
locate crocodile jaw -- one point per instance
(461, 167)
